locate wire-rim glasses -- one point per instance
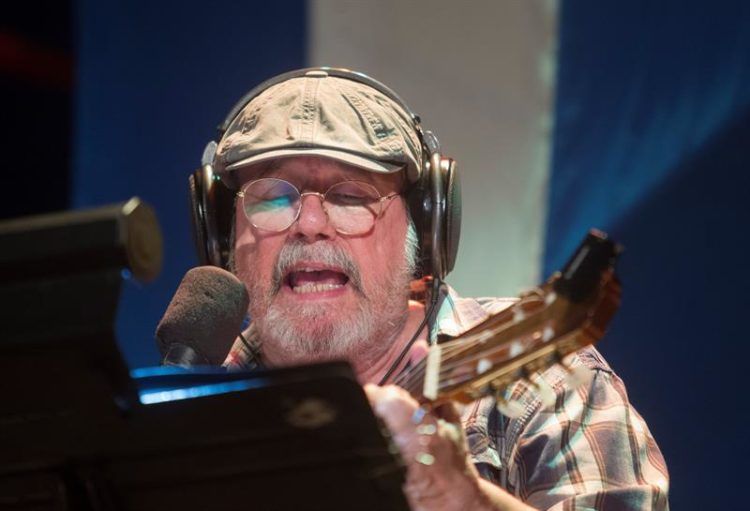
(273, 204)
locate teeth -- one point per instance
(315, 288)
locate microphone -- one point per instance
(203, 319)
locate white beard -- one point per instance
(302, 335)
(359, 338)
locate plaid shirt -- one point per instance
(590, 450)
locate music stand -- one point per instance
(78, 433)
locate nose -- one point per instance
(312, 223)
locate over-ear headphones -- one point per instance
(434, 201)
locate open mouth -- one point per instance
(315, 280)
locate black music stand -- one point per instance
(78, 433)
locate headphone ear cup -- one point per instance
(223, 213)
(420, 208)
(437, 217)
(435, 206)
(452, 214)
(212, 204)
(197, 216)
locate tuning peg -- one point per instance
(511, 409)
(578, 376)
(545, 391)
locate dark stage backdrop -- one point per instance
(652, 142)
(154, 80)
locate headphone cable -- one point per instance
(437, 285)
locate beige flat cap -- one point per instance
(322, 115)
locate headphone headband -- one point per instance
(338, 72)
(434, 200)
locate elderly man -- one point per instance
(323, 162)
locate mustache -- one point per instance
(332, 255)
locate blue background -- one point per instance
(154, 81)
(651, 143)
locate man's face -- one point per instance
(316, 294)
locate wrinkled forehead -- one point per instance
(318, 172)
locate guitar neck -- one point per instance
(568, 312)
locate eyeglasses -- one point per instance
(274, 205)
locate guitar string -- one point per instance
(413, 384)
(448, 353)
(447, 350)
(413, 378)
(466, 343)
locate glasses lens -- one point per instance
(352, 206)
(271, 204)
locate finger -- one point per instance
(394, 405)
(448, 412)
(418, 351)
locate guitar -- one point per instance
(569, 311)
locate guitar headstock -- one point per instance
(571, 310)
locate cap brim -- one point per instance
(342, 156)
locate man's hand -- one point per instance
(440, 474)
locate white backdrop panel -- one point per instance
(481, 76)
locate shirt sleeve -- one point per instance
(589, 450)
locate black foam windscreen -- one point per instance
(205, 315)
